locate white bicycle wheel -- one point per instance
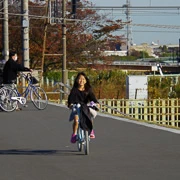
(39, 98)
(6, 102)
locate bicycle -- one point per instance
(37, 94)
(6, 103)
(83, 138)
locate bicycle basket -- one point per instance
(33, 80)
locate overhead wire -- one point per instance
(116, 15)
(155, 31)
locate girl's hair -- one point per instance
(87, 85)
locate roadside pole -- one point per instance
(5, 30)
(25, 32)
(64, 71)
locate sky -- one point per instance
(141, 30)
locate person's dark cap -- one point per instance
(12, 53)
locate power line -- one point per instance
(149, 31)
(147, 13)
(132, 7)
(148, 10)
(35, 16)
(76, 20)
(158, 26)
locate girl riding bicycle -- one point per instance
(82, 94)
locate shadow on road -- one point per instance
(37, 152)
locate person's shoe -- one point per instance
(73, 138)
(18, 109)
(92, 135)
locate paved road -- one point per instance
(35, 145)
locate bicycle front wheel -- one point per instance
(86, 142)
(6, 102)
(39, 98)
(80, 139)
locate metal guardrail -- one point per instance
(158, 111)
(63, 89)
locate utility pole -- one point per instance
(25, 31)
(64, 71)
(179, 53)
(127, 26)
(5, 30)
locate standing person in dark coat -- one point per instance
(11, 69)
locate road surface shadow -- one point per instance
(38, 152)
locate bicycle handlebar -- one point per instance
(92, 104)
(27, 77)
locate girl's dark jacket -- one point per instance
(82, 97)
(85, 118)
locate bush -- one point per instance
(112, 83)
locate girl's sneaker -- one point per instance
(73, 138)
(92, 135)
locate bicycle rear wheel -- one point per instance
(86, 142)
(39, 98)
(6, 103)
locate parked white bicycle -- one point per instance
(9, 95)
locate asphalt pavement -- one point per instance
(35, 145)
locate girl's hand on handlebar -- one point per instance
(98, 105)
(70, 106)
